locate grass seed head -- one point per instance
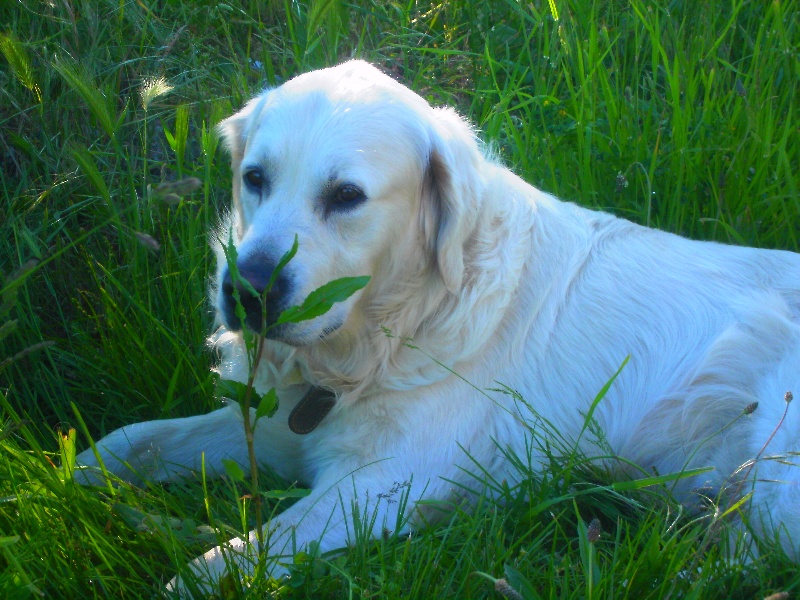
(621, 182)
(181, 187)
(739, 88)
(502, 587)
(593, 531)
(152, 89)
(148, 241)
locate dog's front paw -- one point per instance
(130, 453)
(202, 577)
(206, 574)
(219, 571)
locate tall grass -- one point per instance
(678, 115)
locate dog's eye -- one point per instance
(346, 196)
(254, 179)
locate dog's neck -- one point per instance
(420, 331)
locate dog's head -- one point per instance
(371, 180)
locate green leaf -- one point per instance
(67, 449)
(7, 328)
(170, 138)
(181, 134)
(233, 390)
(229, 587)
(743, 500)
(187, 530)
(317, 14)
(231, 256)
(638, 484)
(322, 299)
(268, 405)
(600, 395)
(91, 171)
(233, 469)
(283, 494)
(289, 255)
(520, 583)
(79, 79)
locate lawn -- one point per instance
(679, 115)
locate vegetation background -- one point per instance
(676, 114)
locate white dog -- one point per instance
(494, 279)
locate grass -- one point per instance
(678, 115)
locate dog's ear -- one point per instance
(234, 132)
(450, 194)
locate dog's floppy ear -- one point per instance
(234, 132)
(449, 203)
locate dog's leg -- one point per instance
(325, 516)
(773, 474)
(166, 449)
(162, 450)
(372, 473)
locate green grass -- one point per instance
(680, 115)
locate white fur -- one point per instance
(498, 281)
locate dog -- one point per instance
(476, 277)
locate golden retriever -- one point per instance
(493, 281)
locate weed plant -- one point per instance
(674, 114)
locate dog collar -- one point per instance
(312, 408)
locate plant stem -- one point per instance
(249, 429)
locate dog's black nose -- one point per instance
(257, 271)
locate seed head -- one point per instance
(622, 182)
(739, 88)
(146, 240)
(593, 531)
(750, 408)
(502, 587)
(152, 89)
(181, 187)
(788, 397)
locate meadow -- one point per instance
(675, 114)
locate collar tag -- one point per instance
(312, 408)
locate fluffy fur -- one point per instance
(496, 280)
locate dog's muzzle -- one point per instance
(257, 271)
